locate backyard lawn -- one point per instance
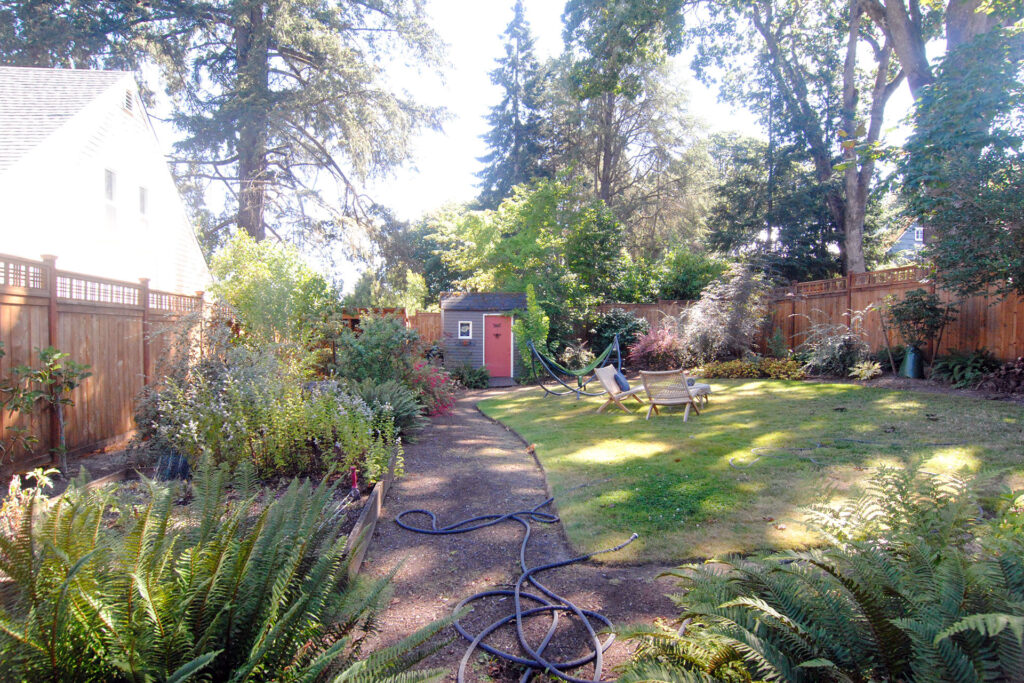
(672, 482)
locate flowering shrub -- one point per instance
(659, 349)
(435, 387)
(234, 402)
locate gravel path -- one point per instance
(465, 465)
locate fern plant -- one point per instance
(235, 588)
(964, 370)
(902, 592)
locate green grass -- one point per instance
(672, 483)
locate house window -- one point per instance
(143, 200)
(919, 234)
(109, 184)
(465, 329)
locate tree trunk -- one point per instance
(253, 86)
(964, 22)
(856, 194)
(606, 155)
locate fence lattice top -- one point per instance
(23, 274)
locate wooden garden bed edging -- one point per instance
(361, 534)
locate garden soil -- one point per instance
(465, 465)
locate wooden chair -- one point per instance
(670, 388)
(606, 376)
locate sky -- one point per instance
(445, 163)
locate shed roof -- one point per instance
(483, 301)
(34, 103)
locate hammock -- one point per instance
(554, 368)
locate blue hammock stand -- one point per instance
(555, 370)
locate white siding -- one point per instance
(52, 201)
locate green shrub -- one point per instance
(962, 369)
(919, 316)
(237, 403)
(882, 356)
(909, 588)
(384, 349)
(777, 346)
(271, 289)
(617, 321)
(393, 399)
(237, 586)
(772, 368)
(530, 325)
(471, 378)
(685, 274)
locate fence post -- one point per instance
(52, 329)
(146, 357)
(849, 297)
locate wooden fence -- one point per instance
(104, 323)
(981, 321)
(428, 325)
(653, 313)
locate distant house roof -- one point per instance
(483, 301)
(34, 103)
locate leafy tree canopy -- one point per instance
(963, 171)
(272, 290)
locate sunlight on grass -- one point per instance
(671, 482)
(609, 451)
(947, 460)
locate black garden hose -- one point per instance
(547, 602)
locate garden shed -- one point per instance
(476, 331)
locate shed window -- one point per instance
(465, 329)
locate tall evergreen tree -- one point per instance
(275, 98)
(516, 152)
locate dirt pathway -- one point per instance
(464, 465)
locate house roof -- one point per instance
(34, 103)
(483, 301)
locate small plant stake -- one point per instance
(355, 482)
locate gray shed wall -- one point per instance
(456, 354)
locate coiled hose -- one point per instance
(546, 602)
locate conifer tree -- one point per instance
(516, 153)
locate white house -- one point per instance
(83, 177)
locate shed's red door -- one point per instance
(498, 345)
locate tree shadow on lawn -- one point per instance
(672, 482)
